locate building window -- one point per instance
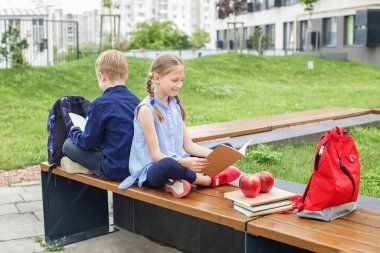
(290, 2)
(349, 30)
(288, 36)
(38, 30)
(329, 31)
(269, 31)
(304, 25)
(258, 5)
(270, 4)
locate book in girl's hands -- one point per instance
(223, 157)
(265, 211)
(78, 120)
(274, 195)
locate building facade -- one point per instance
(339, 29)
(30, 24)
(188, 15)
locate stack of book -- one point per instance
(277, 200)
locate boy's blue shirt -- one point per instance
(110, 128)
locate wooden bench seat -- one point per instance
(358, 231)
(76, 208)
(249, 126)
(377, 111)
(206, 203)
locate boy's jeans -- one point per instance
(90, 159)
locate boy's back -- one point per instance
(104, 146)
(113, 114)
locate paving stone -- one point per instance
(9, 220)
(31, 196)
(10, 198)
(10, 190)
(28, 183)
(33, 188)
(21, 231)
(8, 209)
(29, 206)
(119, 242)
(39, 215)
(21, 246)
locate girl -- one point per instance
(161, 145)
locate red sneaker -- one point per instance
(226, 176)
(179, 188)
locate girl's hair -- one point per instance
(162, 66)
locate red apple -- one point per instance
(250, 185)
(266, 180)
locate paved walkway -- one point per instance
(22, 227)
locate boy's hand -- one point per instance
(195, 164)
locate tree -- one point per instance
(199, 38)
(236, 7)
(259, 41)
(227, 7)
(309, 7)
(12, 45)
(158, 35)
(109, 4)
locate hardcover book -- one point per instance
(223, 157)
(274, 195)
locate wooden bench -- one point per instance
(76, 208)
(356, 232)
(249, 126)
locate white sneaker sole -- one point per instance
(72, 167)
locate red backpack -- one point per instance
(333, 188)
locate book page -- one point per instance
(244, 147)
(78, 120)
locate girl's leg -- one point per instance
(160, 172)
(202, 180)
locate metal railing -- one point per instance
(49, 42)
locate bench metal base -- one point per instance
(73, 211)
(176, 229)
(186, 232)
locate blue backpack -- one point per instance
(59, 123)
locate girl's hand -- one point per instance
(195, 164)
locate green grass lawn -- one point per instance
(217, 88)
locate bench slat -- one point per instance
(249, 126)
(357, 232)
(377, 111)
(365, 217)
(204, 206)
(315, 235)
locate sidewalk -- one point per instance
(22, 227)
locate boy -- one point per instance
(104, 145)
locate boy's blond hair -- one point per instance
(113, 64)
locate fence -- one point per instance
(49, 41)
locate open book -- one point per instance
(223, 157)
(78, 120)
